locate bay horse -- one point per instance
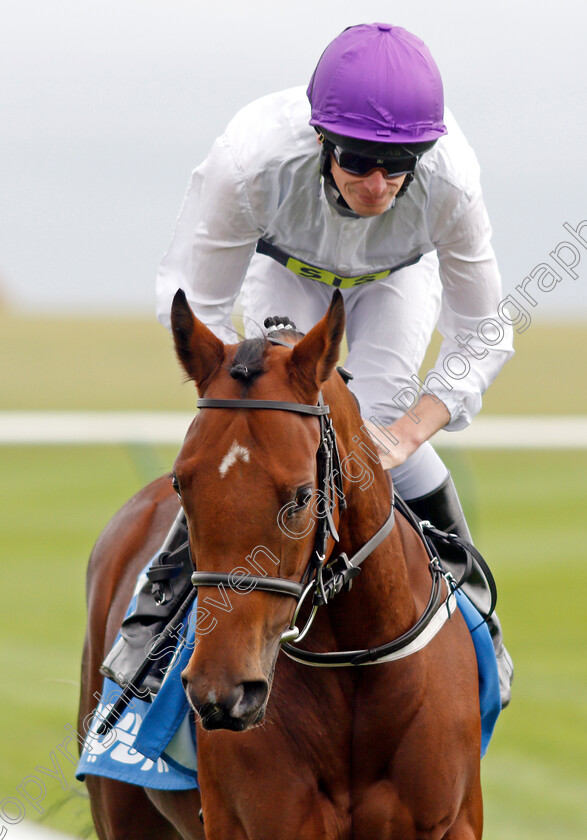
(287, 751)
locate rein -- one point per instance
(436, 613)
(322, 582)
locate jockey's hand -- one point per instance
(409, 432)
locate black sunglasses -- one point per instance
(357, 164)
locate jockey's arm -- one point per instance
(212, 246)
(411, 430)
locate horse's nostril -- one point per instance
(241, 706)
(250, 698)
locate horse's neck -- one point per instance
(380, 605)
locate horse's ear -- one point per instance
(315, 356)
(199, 351)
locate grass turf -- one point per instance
(86, 363)
(527, 509)
(55, 502)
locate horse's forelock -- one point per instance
(249, 360)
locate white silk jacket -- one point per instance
(261, 179)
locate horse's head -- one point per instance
(249, 487)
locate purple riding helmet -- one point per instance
(376, 93)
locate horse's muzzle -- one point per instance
(243, 706)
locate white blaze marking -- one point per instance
(235, 452)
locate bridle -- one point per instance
(323, 580)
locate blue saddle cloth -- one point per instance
(153, 744)
(489, 694)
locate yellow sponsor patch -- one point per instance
(304, 270)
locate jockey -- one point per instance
(364, 183)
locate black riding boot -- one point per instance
(167, 583)
(443, 509)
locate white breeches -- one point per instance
(389, 326)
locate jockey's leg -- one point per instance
(441, 506)
(159, 594)
(271, 289)
(389, 327)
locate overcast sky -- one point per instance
(107, 106)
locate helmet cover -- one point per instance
(378, 83)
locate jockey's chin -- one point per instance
(367, 195)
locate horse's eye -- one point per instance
(303, 498)
(175, 483)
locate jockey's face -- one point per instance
(370, 194)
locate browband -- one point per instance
(299, 408)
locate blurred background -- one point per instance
(107, 107)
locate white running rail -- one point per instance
(167, 427)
